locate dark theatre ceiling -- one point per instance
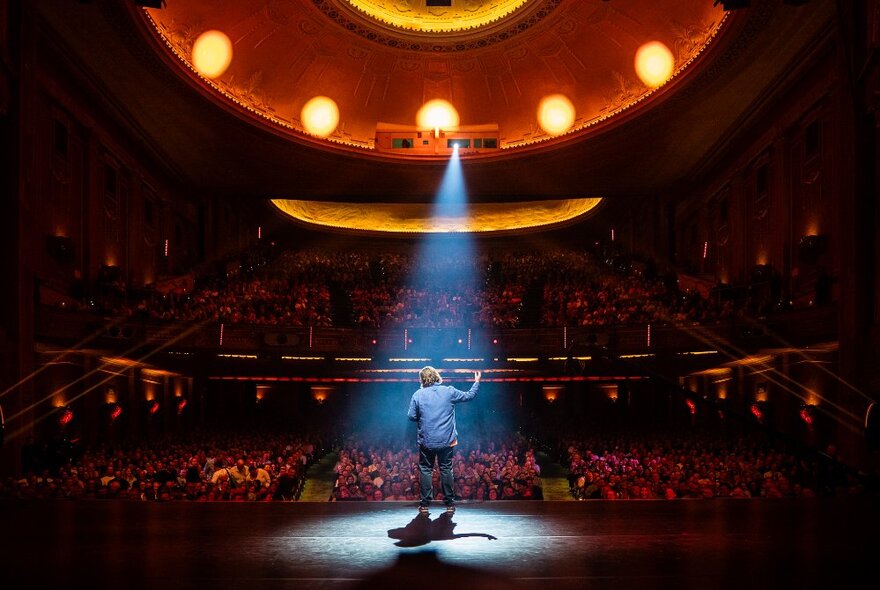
(240, 135)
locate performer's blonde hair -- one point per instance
(429, 376)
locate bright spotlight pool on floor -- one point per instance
(212, 53)
(654, 63)
(320, 116)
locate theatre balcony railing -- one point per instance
(73, 328)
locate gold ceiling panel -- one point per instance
(416, 15)
(425, 218)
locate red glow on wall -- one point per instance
(807, 416)
(757, 412)
(154, 407)
(705, 250)
(180, 406)
(116, 412)
(66, 417)
(692, 407)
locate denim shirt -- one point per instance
(433, 408)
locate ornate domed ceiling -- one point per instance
(494, 60)
(238, 135)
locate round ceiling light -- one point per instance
(212, 53)
(437, 114)
(654, 63)
(320, 116)
(555, 114)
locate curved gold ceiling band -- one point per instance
(461, 15)
(424, 218)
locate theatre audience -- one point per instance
(602, 465)
(687, 465)
(483, 470)
(205, 468)
(553, 287)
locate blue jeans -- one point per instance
(426, 466)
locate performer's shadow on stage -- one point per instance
(422, 531)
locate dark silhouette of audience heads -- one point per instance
(421, 531)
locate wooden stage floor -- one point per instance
(743, 544)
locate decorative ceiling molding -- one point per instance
(353, 21)
(418, 17)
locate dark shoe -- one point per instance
(423, 509)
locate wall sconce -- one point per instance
(551, 393)
(762, 273)
(761, 393)
(320, 394)
(811, 247)
(61, 249)
(611, 391)
(110, 272)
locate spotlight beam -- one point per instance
(452, 195)
(102, 368)
(161, 347)
(117, 321)
(773, 375)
